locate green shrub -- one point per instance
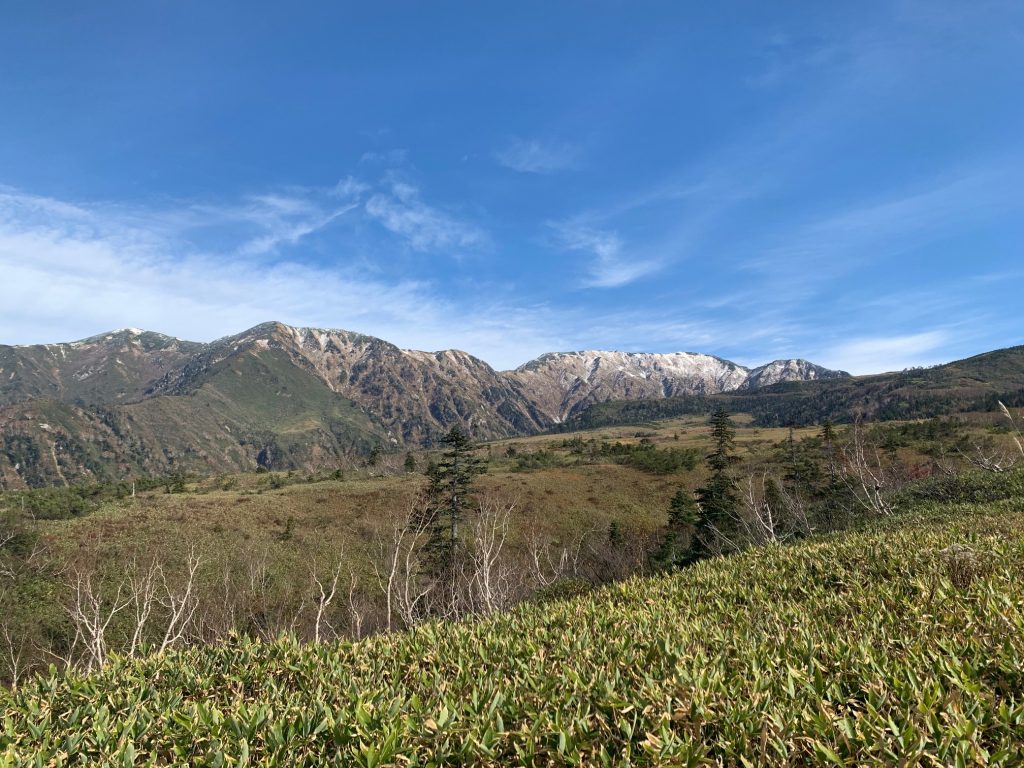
(563, 589)
(969, 487)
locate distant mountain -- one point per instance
(565, 383)
(977, 383)
(131, 401)
(414, 396)
(109, 368)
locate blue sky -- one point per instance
(842, 182)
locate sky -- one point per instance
(841, 182)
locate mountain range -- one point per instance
(137, 402)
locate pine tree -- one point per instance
(723, 435)
(615, 534)
(683, 518)
(449, 498)
(828, 436)
(803, 473)
(718, 497)
(410, 462)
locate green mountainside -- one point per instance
(255, 410)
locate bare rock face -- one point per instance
(779, 371)
(416, 396)
(562, 384)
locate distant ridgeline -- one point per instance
(975, 384)
(133, 403)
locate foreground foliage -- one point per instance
(900, 642)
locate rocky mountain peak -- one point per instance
(564, 383)
(343, 388)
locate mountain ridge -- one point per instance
(283, 396)
(271, 325)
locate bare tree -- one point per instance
(770, 514)
(356, 609)
(13, 655)
(142, 584)
(992, 457)
(868, 475)
(221, 610)
(91, 615)
(490, 583)
(180, 604)
(758, 518)
(325, 592)
(6, 563)
(399, 569)
(548, 561)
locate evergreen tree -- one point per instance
(449, 498)
(718, 497)
(683, 511)
(683, 518)
(803, 473)
(828, 437)
(615, 534)
(410, 462)
(723, 435)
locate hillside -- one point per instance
(972, 384)
(108, 368)
(897, 644)
(132, 402)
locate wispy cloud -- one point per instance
(609, 265)
(798, 259)
(71, 270)
(423, 227)
(879, 354)
(384, 157)
(260, 224)
(289, 229)
(535, 156)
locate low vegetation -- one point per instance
(900, 643)
(186, 618)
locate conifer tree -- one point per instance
(828, 437)
(683, 518)
(449, 497)
(718, 497)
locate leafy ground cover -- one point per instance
(900, 643)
